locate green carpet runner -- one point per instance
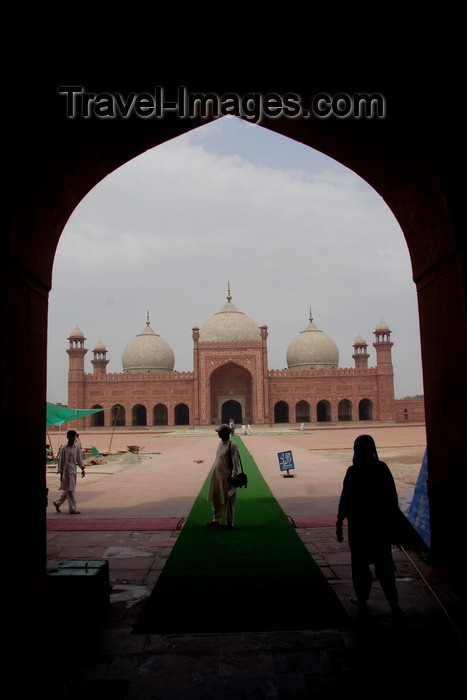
(257, 577)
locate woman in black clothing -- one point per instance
(369, 503)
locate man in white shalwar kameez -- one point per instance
(221, 492)
(68, 459)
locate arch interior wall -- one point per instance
(406, 159)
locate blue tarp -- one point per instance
(419, 511)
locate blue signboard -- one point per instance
(285, 461)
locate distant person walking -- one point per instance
(221, 493)
(369, 503)
(68, 460)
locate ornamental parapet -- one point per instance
(234, 344)
(139, 376)
(337, 372)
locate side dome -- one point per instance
(312, 349)
(148, 352)
(229, 325)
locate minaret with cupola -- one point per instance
(383, 345)
(76, 352)
(385, 370)
(360, 353)
(100, 360)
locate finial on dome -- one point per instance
(229, 297)
(310, 317)
(147, 318)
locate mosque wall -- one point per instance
(347, 393)
(128, 390)
(339, 388)
(343, 391)
(409, 410)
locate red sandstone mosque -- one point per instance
(231, 379)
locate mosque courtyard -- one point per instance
(133, 505)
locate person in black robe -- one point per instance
(369, 503)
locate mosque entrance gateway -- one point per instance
(231, 394)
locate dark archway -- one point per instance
(231, 411)
(344, 410)
(138, 415)
(182, 414)
(365, 410)
(96, 420)
(302, 412)
(160, 415)
(118, 415)
(281, 412)
(323, 411)
(53, 162)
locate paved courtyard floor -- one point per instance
(160, 483)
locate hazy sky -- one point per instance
(289, 228)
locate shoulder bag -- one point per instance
(241, 480)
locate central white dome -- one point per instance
(229, 325)
(148, 352)
(312, 349)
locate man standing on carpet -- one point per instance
(221, 492)
(68, 459)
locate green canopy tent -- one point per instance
(58, 415)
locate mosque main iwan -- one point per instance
(231, 380)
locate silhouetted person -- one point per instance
(369, 503)
(68, 459)
(221, 492)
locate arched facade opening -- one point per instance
(181, 414)
(323, 411)
(281, 412)
(96, 420)
(231, 411)
(160, 414)
(118, 415)
(344, 410)
(410, 147)
(138, 415)
(231, 383)
(365, 410)
(302, 412)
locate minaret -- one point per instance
(196, 374)
(76, 352)
(360, 353)
(264, 358)
(384, 371)
(100, 360)
(383, 346)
